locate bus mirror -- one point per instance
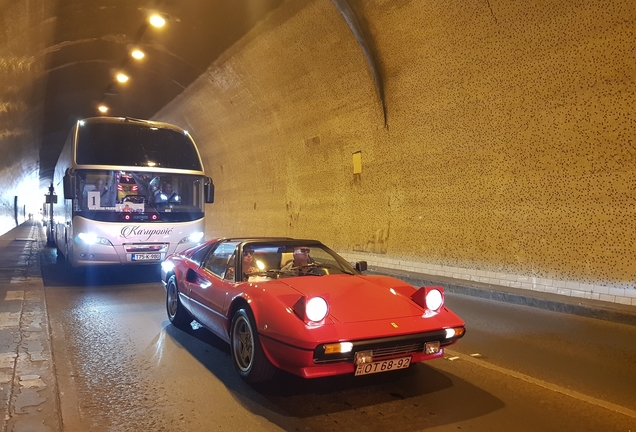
(69, 186)
(208, 190)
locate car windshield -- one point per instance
(115, 195)
(289, 259)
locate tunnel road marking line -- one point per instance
(546, 385)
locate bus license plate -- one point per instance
(383, 366)
(146, 257)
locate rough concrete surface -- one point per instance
(27, 380)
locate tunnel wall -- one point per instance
(507, 156)
(25, 29)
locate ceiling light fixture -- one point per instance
(137, 53)
(122, 78)
(157, 20)
(102, 108)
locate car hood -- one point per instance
(355, 298)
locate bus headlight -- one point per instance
(92, 238)
(195, 237)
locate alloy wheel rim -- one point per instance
(172, 300)
(243, 344)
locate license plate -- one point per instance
(146, 257)
(383, 366)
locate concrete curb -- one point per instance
(605, 311)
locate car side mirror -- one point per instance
(361, 266)
(191, 276)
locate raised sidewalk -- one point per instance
(28, 388)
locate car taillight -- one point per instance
(135, 188)
(120, 187)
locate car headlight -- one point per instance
(434, 300)
(316, 309)
(167, 266)
(311, 310)
(431, 298)
(455, 332)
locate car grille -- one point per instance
(385, 347)
(400, 349)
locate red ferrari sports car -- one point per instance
(298, 306)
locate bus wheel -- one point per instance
(70, 269)
(50, 240)
(177, 314)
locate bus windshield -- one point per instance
(139, 196)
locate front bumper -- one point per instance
(315, 364)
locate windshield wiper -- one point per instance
(272, 273)
(345, 271)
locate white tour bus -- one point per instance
(134, 192)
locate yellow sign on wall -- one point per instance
(357, 162)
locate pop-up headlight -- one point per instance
(431, 298)
(312, 310)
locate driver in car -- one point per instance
(301, 259)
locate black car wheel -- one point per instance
(247, 353)
(177, 314)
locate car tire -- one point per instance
(247, 353)
(177, 314)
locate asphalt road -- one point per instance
(121, 366)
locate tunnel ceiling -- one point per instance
(92, 41)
